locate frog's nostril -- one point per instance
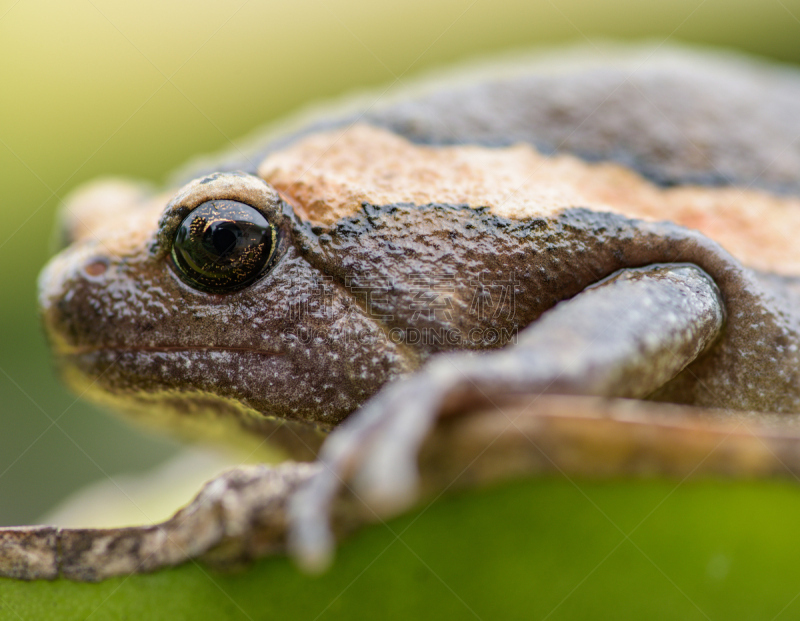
(96, 267)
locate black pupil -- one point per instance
(223, 237)
(222, 246)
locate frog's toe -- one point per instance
(387, 477)
(387, 481)
(310, 540)
(373, 458)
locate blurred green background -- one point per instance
(94, 87)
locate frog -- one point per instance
(571, 263)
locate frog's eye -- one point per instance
(223, 245)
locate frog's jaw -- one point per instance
(180, 386)
(244, 384)
(200, 416)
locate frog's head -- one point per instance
(206, 308)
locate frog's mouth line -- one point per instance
(190, 410)
(266, 382)
(163, 349)
(230, 372)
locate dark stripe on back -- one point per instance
(694, 120)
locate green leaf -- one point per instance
(536, 549)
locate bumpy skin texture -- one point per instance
(555, 258)
(349, 291)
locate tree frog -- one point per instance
(578, 263)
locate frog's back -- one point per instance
(707, 141)
(677, 116)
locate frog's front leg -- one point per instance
(623, 337)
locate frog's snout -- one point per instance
(87, 289)
(66, 297)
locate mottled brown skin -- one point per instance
(553, 259)
(607, 301)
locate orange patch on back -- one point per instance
(329, 175)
